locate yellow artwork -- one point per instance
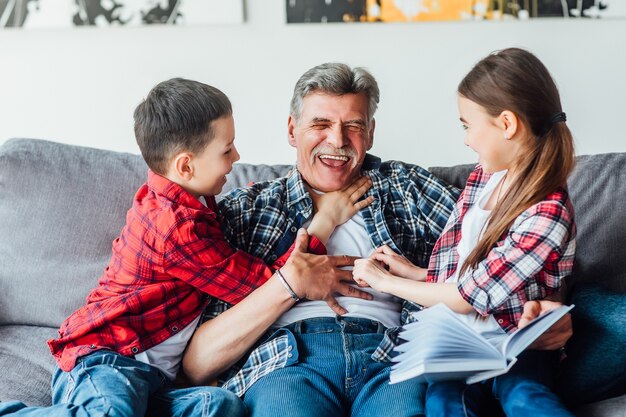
(430, 10)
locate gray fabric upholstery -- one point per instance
(26, 364)
(61, 206)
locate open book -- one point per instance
(440, 346)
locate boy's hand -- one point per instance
(339, 206)
(398, 265)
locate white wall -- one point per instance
(81, 85)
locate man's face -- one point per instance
(331, 136)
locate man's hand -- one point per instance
(557, 335)
(318, 277)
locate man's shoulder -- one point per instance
(255, 192)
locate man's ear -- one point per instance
(509, 123)
(291, 126)
(371, 134)
(182, 165)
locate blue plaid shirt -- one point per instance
(410, 209)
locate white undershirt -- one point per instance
(350, 238)
(168, 354)
(472, 229)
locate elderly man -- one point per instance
(320, 359)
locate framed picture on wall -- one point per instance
(348, 11)
(68, 13)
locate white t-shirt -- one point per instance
(350, 238)
(167, 355)
(472, 228)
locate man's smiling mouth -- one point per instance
(334, 160)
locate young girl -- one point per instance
(511, 236)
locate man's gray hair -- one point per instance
(337, 79)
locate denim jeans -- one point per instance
(108, 384)
(334, 376)
(524, 391)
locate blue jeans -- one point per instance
(524, 391)
(105, 383)
(335, 376)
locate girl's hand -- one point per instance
(339, 206)
(398, 265)
(368, 272)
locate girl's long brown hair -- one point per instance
(514, 79)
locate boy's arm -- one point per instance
(198, 253)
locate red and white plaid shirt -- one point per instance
(170, 255)
(528, 263)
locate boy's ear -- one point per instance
(509, 122)
(182, 166)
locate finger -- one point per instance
(387, 250)
(361, 283)
(335, 306)
(364, 203)
(344, 276)
(356, 184)
(531, 311)
(342, 260)
(361, 189)
(350, 291)
(302, 241)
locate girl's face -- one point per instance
(485, 135)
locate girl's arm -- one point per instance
(369, 272)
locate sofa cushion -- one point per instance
(61, 207)
(26, 364)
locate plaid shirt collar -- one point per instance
(178, 195)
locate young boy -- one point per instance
(119, 354)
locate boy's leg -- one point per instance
(526, 390)
(101, 384)
(196, 401)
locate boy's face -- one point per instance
(211, 165)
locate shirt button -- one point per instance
(135, 350)
(293, 229)
(290, 355)
(273, 257)
(290, 348)
(174, 328)
(500, 321)
(92, 346)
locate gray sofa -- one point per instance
(61, 206)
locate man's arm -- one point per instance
(219, 343)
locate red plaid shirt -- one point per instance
(528, 263)
(170, 255)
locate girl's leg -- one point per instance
(526, 390)
(451, 399)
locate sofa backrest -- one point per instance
(597, 188)
(61, 206)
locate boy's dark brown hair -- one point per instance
(176, 117)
